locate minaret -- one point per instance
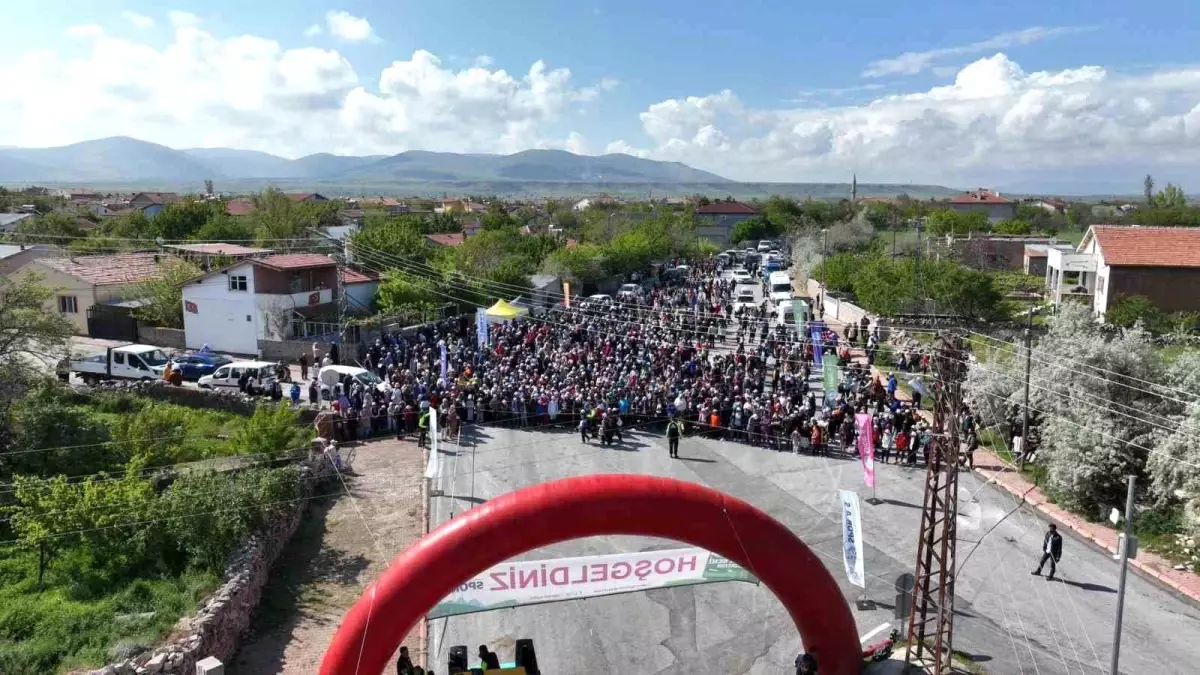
(854, 189)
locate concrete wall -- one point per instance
(836, 309)
(161, 337)
(289, 350)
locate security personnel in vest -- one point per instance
(674, 431)
(423, 426)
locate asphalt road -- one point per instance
(1006, 619)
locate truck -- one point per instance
(127, 362)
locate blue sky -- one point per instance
(751, 89)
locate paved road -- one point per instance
(1008, 620)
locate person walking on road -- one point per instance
(674, 431)
(1051, 552)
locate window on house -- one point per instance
(67, 304)
(237, 283)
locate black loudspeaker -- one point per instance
(457, 662)
(525, 657)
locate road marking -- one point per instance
(879, 629)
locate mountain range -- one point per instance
(129, 160)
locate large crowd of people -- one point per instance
(677, 352)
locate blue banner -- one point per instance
(816, 333)
(442, 344)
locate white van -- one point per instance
(262, 375)
(785, 312)
(330, 376)
(779, 286)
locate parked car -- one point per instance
(764, 246)
(600, 300)
(262, 375)
(629, 291)
(330, 376)
(741, 276)
(195, 366)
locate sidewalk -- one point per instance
(1148, 564)
(991, 467)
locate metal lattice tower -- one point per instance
(931, 624)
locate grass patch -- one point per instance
(61, 628)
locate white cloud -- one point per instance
(182, 19)
(349, 27)
(911, 63)
(203, 90)
(423, 104)
(484, 61)
(139, 20)
(994, 117)
(313, 30)
(89, 30)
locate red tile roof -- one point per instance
(979, 197)
(296, 261)
(728, 209)
(448, 239)
(240, 207)
(1148, 246)
(305, 196)
(356, 277)
(109, 270)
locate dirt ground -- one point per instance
(337, 551)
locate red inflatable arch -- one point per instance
(586, 506)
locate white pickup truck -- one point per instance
(130, 362)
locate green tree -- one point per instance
(163, 297)
(497, 217)
(1171, 196)
(400, 293)
(1130, 309)
(224, 227)
(1013, 226)
(52, 228)
(839, 271)
(51, 514)
(753, 229)
(183, 219)
(271, 430)
(584, 264)
(881, 215)
(783, 213)
(398, 237)
(942, 222)
(39, 417)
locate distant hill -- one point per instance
(127, 160)
(106, 159)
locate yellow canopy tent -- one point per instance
(503, 311)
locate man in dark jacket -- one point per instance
(1051, 551)
(488, 659)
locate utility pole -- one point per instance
(931, 624)
(1025, 414)
(1127, 542)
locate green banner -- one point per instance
(831, 372)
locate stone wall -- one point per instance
(215, 630)
(171, 338)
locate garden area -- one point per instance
(115, 520)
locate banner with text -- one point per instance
(831, 373)
(852, 545)
(481, 326)
(533, 582)
(434, 466)
(866, 447)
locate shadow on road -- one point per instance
(1087, 586)
(698, 459)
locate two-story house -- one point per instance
(232, 308)
(715, 221)
(996, 208)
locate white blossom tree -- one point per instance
(1175, 466)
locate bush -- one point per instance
(1128, 310)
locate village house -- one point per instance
(233, 307)
(85, 285)
(716, 221)
(460, 206)
(15, 256)
(210, 255)
(1115, 261)
(996, 208)
(152, 203)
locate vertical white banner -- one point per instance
(431, 469)
(481, 326)
(852, 545)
